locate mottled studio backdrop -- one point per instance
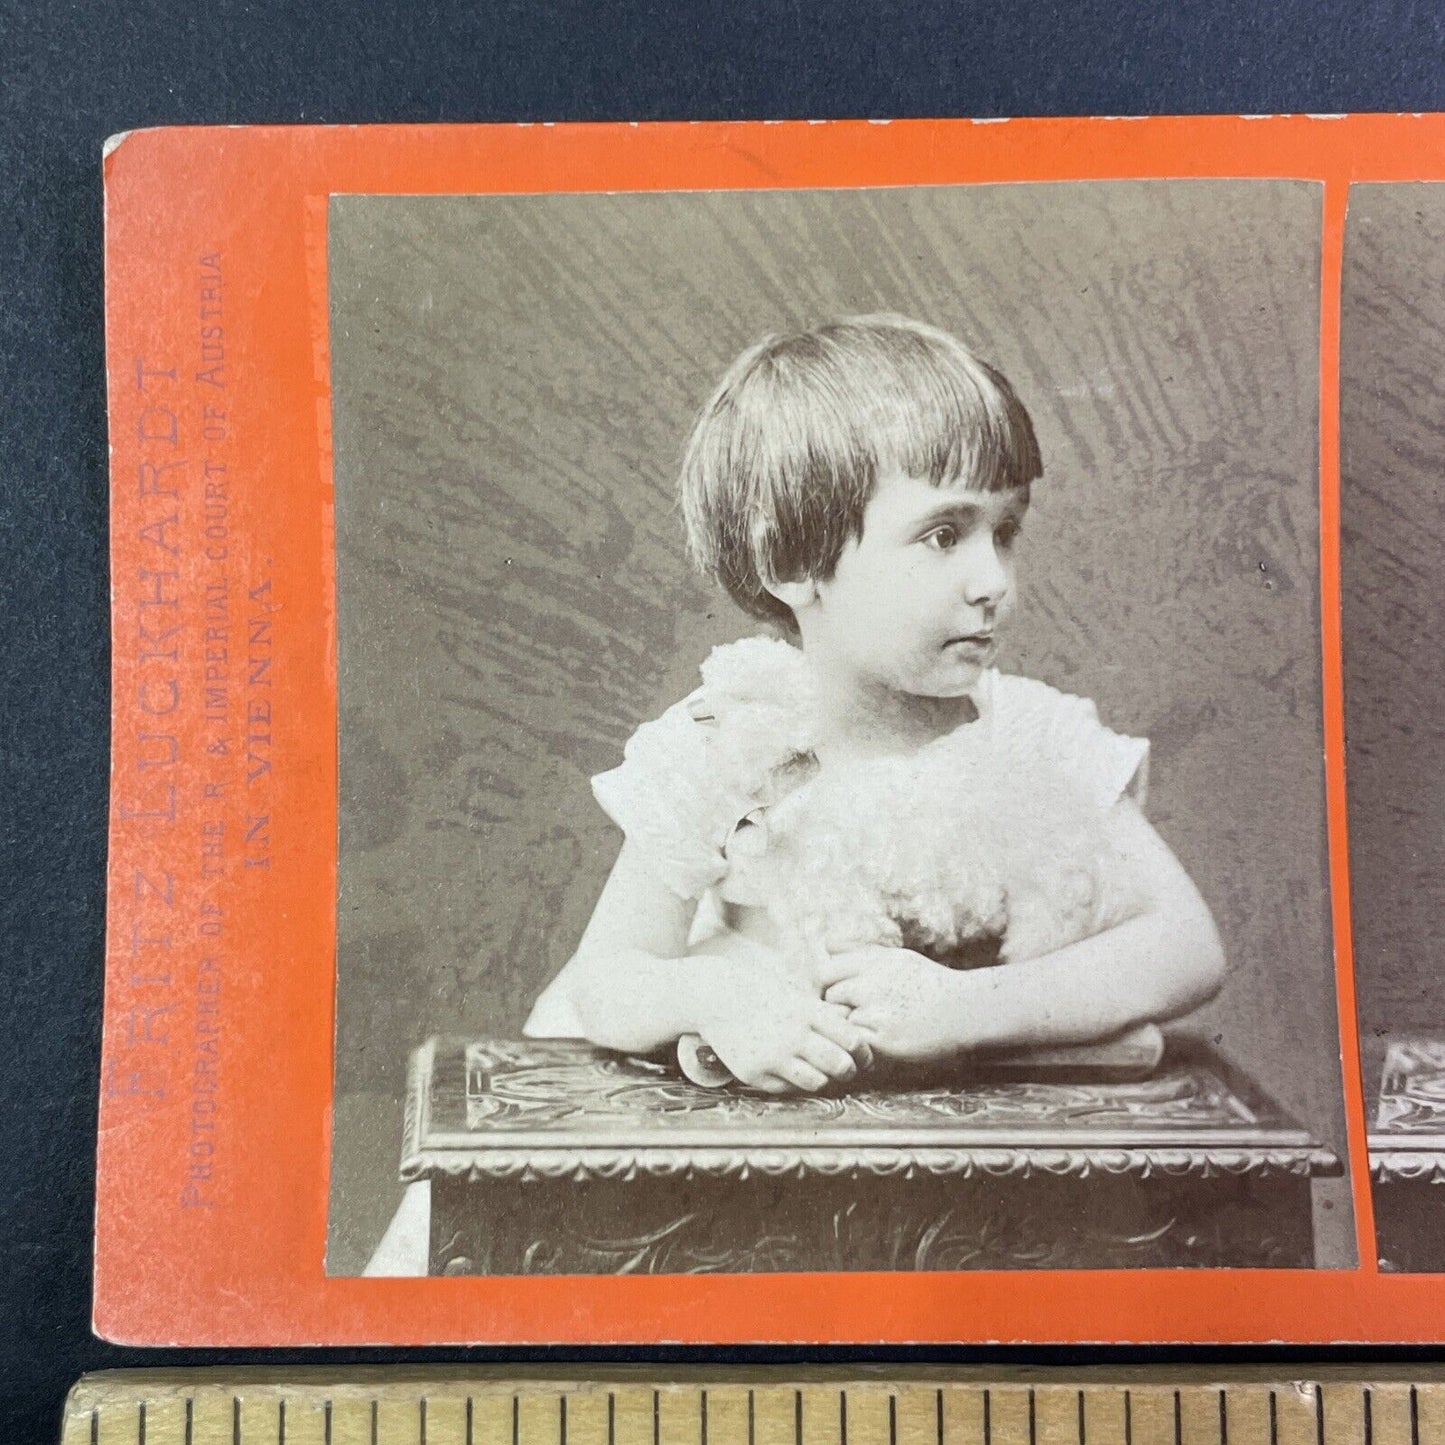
(514, 378)
(1392, 441)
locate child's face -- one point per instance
(917, 602)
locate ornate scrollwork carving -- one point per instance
(901, 1163)
(552, 1157)
(980, 1227)
(504, 1109)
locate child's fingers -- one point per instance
(850, 992)
(836, 1062)
(832, 968)
(868, 1024)
(802, 1075)
(832, 1020)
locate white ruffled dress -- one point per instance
(958, 841)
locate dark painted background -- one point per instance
(72, 74)
(514, 379)
(1392, 367)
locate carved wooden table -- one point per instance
(555, 1158)
(1407, 1153)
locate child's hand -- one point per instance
(775, 1034)
(905, 1005)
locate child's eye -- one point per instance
(941, 539)
(1007, 533)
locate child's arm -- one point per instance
(1158, 964)
(634, 985)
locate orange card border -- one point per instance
(214, 1137)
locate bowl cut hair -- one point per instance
(788, 450)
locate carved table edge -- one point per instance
(1403, 1165)
(523, 1165)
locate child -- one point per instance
(824, 840)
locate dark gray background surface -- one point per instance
(73, 74)
(513, 382)
(1392, 445)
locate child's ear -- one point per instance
(794, 595)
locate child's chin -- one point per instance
(939, 678)
(957, 679)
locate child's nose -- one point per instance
(986, 577)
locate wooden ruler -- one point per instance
(858, 1406)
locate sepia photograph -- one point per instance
(1392, 542)
(830, 731)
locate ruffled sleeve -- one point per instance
(1067, 730)
(665, 799)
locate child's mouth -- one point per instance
(974, 645)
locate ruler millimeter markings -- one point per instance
(759, 1407)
